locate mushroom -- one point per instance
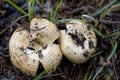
(30, 48)
(78, 41)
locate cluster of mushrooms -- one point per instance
(30, 48)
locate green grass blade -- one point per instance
(102, 9)
(63, 20)
(40, 75)
(103, 15)
(99, 33)
(100, 70)
(113, 51)
(109, 9)
(53, 14)
(17, 7)
(31, 4)
(112, 34)
(108, 58)
(41, 3)
(88, 70)
(115, 6)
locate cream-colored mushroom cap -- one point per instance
(44, 30)
(29, 49)
(78, 41)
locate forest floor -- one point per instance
(103, 14)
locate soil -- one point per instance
(11, 19)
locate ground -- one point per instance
(107, 57)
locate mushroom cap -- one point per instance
(45, 31)
(27, 57)
(26, 63)
(78, 41)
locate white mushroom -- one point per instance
(78, 41)
(29, 49)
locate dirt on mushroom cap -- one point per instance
(77, 42)
(26, 52)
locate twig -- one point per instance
(112, 22)
(53, 75)
(96, 54)
(115, 72)
(11, 24)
